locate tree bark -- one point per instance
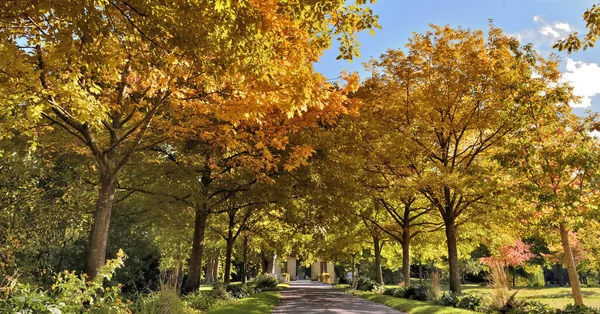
(570, 263)
(195, 264)
(229, 249)
(353, 269)
(99, 235)
(406, 256)
(378, 273)
(452, 255)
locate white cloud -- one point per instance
(585, 78)
(546, 33)
(562, 26)
(548, 30)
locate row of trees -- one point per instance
(469, 134)
(199, 130)
(209, 90)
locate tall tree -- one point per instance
(457, 95)
(105, 70)
(555, 159)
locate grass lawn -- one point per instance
(557, 297)
(409, 306)
(259, 303)
(554, 296)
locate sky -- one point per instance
(540, 22)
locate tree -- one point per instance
(572, 43)
(104, 71)
(555, 159)
(456, 96)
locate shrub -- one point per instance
(240, 291)
(200, 301)
(533, 307)
(419, 293)
(71, 293)
(286, 277)
(471, 302)
(266, 282)
(367, 284)
(579, 309)
(219, 291)
(449, 299)
(390, 291)
(400, 293)
(166, 300)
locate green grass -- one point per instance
(409, 306)
(557, 297)
(259, 303)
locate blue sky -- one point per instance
(541, 22)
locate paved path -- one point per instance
(306, 297)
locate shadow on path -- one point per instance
(308, 297)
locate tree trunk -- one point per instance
(209, 271)
(228, 253)
(378, 273)
(229, 249)
(406, 256)
(353, 269)
(452, 256)
(99, 235)
(570, 263)
(195, 265)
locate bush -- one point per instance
(266, 282)
(471, 302)
(367, 284)
(70, 293)
(219, 291)
(579, 309)
(166, 300)
(533, 307)
(419, 293)
(400, 293)
(390, 291)
(449, 299)
(240, 291)
(200, 301)
(286, 277)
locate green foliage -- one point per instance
(389, 291)
(70, 293)
(410, 306)
(470, 302)
(200, 300)
(166, 300)
(220, 291)
(448, 299)
(265, 282)
(420, 293)
(241, 290)
(367, 284)
(533, 307)
(579, 309)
